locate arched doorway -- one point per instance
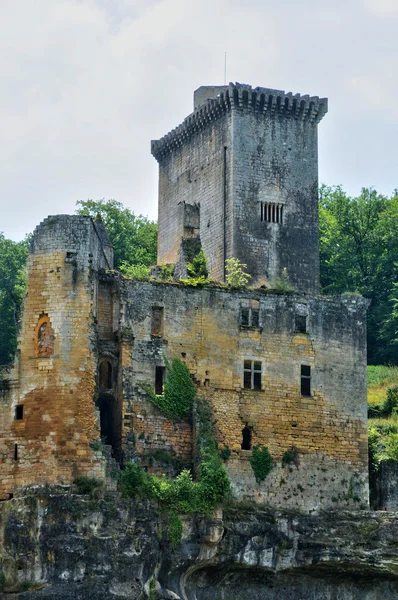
(110, 423)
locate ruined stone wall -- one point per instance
(198, 171)
(49, 419)
(329, 427)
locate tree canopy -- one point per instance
(359, 252)
(13, 257)
(134, 238)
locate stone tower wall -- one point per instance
(249, 158)
(56, 371)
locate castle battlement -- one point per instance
(264, 101)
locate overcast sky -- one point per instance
(86, 84)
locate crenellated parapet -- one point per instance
(241, 97)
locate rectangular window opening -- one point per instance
(271, 212)
(305, 380)
(250, 313)
(300, 323)
(15, 451)
(19, 412)
(159, 380)
(157, 321)
(252, 374)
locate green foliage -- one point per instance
(13, 257)
(197, 268)
(179, 391)
(282, 283)
(175, 529)
(386, 408)
(134, 237)
(95, 445)
(225, 452)
(236, 276)
(86, 485)
(166, 458)
(153, 594)
(261, 463)
(359, 252)
(136, 272)
(391, 446)
(183, 495)
(290, 457)
(166, 271)
(2, 580)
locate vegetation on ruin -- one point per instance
(261, 463)
(179, 391)
(236, 276)
(183, 495)
(134, 237)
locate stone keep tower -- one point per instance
(242, 172)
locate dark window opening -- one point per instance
(106, 379)
(159, 380)
(157, 321)
(110, 422)
(305, 380)
(246, 439)
(271, 212)
(19, 412)
(300, 323)
(252, 375)
(250, 313)
(15, 451)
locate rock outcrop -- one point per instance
(79, 548)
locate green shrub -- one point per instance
(183, 495)
(86, 485)
(175, 529)
(236, 276)
(261, 463)
(291, 456)
(386, 408)
(2, 580)
(166, 272)
(282, 283)
(225, 452)
(137, 272)
(391, 446)
(179, 391)
(198, 266)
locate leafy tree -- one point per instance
(134, 237)
(235, 274)
(13, 257)
(359, 252)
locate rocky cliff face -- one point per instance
(99, 549)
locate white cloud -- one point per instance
(87, 83)
(382, 8)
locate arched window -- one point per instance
(246, 438)
(44, 337)
(105, 375)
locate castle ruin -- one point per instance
(283, 370)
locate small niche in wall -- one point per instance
(44, 337)
(157, 321)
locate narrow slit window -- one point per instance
(252, 375)
(159, 380)
(246, 439)
(106, 375)
(305, 380)
(15, 451)
(19, 412)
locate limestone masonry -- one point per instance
(285, 370)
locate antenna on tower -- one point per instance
(225, 69)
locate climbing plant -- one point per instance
(179, 391)
(261, 463)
